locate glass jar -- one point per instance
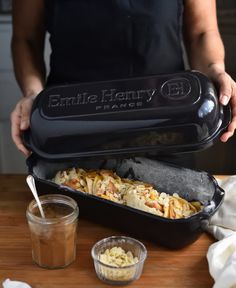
(53, 237)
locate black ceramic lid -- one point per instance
(160, 114)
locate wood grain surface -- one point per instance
(163, 268)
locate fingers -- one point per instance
(227, 92)
(232, 126)
(16, 130)
(25, 113)
(16, 134)
(230, 132)
(224, 82)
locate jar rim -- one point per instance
(53, 198)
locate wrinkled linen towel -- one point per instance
(221, 256)
(223, 222)
(14, 284)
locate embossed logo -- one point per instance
(107, 99)
(176, 89)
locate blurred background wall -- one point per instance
(220, 159)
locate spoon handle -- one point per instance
(40, 206)
(30, 181)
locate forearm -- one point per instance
(206, 50)
(28, 65)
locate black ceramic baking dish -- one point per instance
(83, 124)
(161, 114)
(190, 184)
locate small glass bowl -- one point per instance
(119, 275)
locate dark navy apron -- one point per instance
(108, 39)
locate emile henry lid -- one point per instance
(159, 114)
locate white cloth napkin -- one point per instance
(14, 284)
(223, 222)
(221, 256)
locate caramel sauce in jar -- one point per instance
(53, 237)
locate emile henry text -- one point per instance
(106, 100)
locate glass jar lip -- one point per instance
(124, 238)
(53, 198)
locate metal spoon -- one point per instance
(30, 181)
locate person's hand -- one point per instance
(20, 122)
(227, 90)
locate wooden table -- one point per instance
(163, 268)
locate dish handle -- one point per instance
(215, 203)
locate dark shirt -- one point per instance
(108, 39)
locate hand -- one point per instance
(20, 122)
(227, 90)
